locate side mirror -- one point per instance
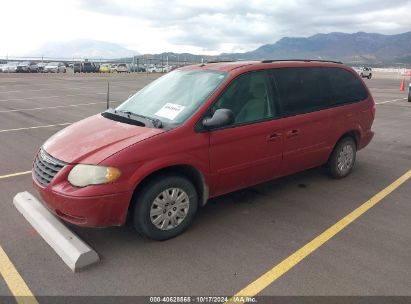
(221, 118)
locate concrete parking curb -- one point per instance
(72, 250)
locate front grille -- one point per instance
(46, 167)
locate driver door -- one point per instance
(250, 150)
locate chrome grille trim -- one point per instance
(45, 167)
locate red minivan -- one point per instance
(199, 132)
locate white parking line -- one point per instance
(387, 101)
(64, 81)
(56, 107)
(101, 86)
(35, 127)
(56, 96)
(51, 89)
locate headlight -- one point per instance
(84, 175)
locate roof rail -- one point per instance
(218, 61)
(303, 60)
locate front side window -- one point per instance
(174, 97)
(248, 97)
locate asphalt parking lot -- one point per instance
(235, 238)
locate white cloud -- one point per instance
(211, 26)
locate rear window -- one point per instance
(304, 90)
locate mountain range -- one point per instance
(351, 48)
(356, 49)
(84, 48)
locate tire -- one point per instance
(342, 159)
(409, 95)
(369, 76)
(144, 208)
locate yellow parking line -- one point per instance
(36, 127)
(272, 275)
(14, 174)
(14, 281)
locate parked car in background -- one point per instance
(77, 67)
(41, 66)
(136, 68)
(200, 132)
(364, 72)
(55, 67)
(104, 68)
(88, 67)
(122, 68)
(409, 92)
(23, 67)
(158, 69)
(27, 67)
(152, 69)
(33, 67)
(119, 68)
(10, 67)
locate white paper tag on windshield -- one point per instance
(170, 111)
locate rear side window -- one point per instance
(346, 88)
(304, 90)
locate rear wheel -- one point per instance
(164, 207)
(369, 76)
(342, 159)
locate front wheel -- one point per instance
(369, 76)
(342, 159)
(164, 207)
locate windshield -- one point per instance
(53, 63)
(174, 97)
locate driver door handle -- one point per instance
(274, 137)
(292, 133)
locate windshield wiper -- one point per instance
(157, 123)
(122, 117)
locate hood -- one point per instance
(94, 139)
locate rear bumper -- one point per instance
(365, 139)
(87, 211)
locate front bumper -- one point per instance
(88, 210)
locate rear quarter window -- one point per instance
(346, 88)
(304, 90)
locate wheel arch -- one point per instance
(354, 134)
(191, 173)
